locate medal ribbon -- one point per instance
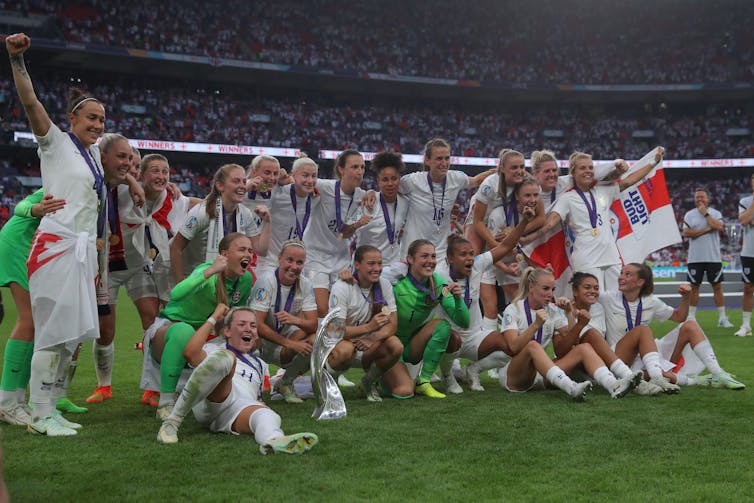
(591, 209)
(442, 197)
(338, 217)
(375, 291)
(632, 323)
(243, 358)
(99, 184)
(466, 289)
(432, 295)
(538, 338)
(389, 228)
(288, 300)
(300, 228)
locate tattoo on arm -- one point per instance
(17, 62)
(613, 175)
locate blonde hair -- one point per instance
(110, 139)
(293, 243)
(575, 157)
(303, 160)
(530, 276)
(503, 157)
(540, 156)
(258, 160)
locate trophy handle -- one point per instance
(329, 398)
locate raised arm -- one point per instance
(194, 350)
(640, 173)
(17, 45)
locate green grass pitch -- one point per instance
(491, 446)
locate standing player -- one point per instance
(286, 312)
(220, 214)
(389, 216)
(225, 388)
(702, 226)
(433, 193)
(746, 219)
(368, 309)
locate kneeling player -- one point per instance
(225, 388)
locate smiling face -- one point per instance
(305, 179)
(241, 332)
(701, 198)
(88, 122)
(587, 293)
(239, 256)
(527, 195)
(116, 161)
(269, 171)
(583, 173)
(547, 175)
(369, 268)
(513, 169)
(629, 281)
(461, 260)
(422, 264)
(233, 188)
(290, 264)
(438, 162)
(155, 177)
(542, 291)
(388, 180)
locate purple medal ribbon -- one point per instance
(632, 323)
(264, 195)
(511, 211)
(552, 196)
(442, 197)
(259, 368)
(300, 228)
(466, 289)
(338, 218)
(233, 223)
(432, 295)
(591, 209)
(375, 292)
(538, 338)
(386, 214)
(99, 184)
(288, 300)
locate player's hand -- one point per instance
(515, 269)
(220, 311)
(369, 200)
(541, 317)
(582, 316)
(219, 265)
(684, 290)
(263, 212)
(455, 289)
(17, 44)
(363, 343)
(137, 194)
(48, 205)
(621, 166)
(363, 220)
(528, 213)
(347, 276)
(300, 347)
(659, 155)
(564, 304)
(284, 178)
(174, 191)
(379, 320)
(286, 318)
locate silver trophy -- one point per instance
(330, 400)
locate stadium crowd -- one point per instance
(540, 42)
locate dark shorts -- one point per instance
(696, 272)
(747, 269)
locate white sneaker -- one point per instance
(163, 411)
(168, 433)
(50, 427)
(343, 382)
(724, 323)
(646, 388)
(298, 443)
(451, 385)
(626, 384)
(472, 377)
(744, 331)
(57, 416)
(15, 416)
(578, 392)
(370, 390)
(665, 385)
(493, 374)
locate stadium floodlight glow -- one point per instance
(291, 152)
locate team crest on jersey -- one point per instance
(507, 319)
(190, 223)
(692, 272)
(486, 190)
(333, 302)
(261, 294)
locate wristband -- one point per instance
(211, 321)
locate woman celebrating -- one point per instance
(368, 308)
(433, 193)
(385, 229)
(628, 313)
(63, 259)
(530, 322)
(416, 296)
(226, 281)
(292, 206)
(220, 214)
(286, 312)
(225, 388)
(333, 224)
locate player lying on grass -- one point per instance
(225, 388)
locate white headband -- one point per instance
(83, 101)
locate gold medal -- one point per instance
(595, 232)
(445, 290)
(519, 257)
(100, 244)
(385, 310)
(340, 235)
(152, 253)
(263, 187)
(114, 239)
